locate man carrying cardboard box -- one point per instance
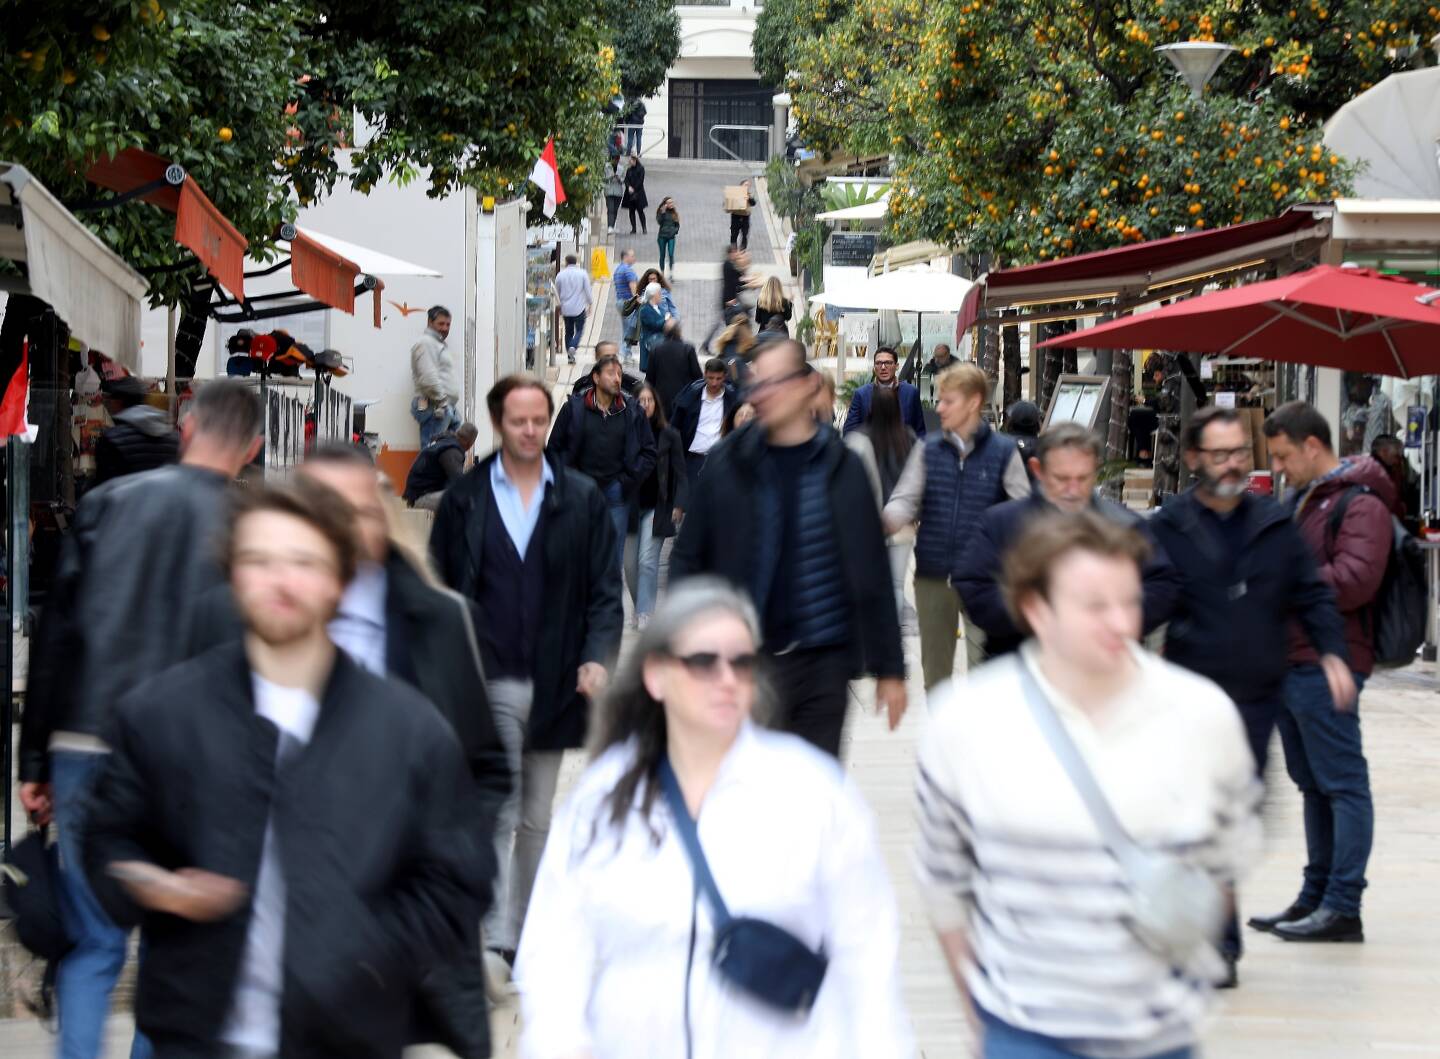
(738, 200)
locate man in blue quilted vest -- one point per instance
(948, 484)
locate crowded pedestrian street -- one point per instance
(815, 529)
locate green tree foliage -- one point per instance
(255, 99)
(1039, 128)
(647, 43)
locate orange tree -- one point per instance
(1038, 128)
(255, 100)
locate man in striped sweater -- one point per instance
(1033, 910)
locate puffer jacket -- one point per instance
(141, 440)
(1352, 561)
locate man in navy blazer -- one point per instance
(886, 363)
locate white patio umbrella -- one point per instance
(866, 211)
(1394, 127)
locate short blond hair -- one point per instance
(967, 378)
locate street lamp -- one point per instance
(1196, 61)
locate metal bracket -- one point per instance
(174, 177)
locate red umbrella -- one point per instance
(1354, 319)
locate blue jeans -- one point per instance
(667, 246)
(432, 424)
(1324, 757)
(574, 328)
(620, 516)
(632, 140)
(88, 973)
(1003, 1041)
(645, 585)
(629, 327)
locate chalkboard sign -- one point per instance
(852, 248)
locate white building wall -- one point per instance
(715, 44)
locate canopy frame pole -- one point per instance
(1241, 341)
(1390, 345)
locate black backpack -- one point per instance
(1397, 613)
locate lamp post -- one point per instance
(1196, 61)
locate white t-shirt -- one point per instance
(254, 1021)
(712, 415)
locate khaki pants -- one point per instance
(938, 609)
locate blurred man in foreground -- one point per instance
(131, 574)
(281, 821)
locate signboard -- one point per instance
(852, 248)
(1082, 399)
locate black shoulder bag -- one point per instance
(767, 962)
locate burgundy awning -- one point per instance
(1134, 270)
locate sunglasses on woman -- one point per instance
(706, 664)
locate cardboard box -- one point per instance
(736, 199)
(1253, 419)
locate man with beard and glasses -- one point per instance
(282, 823)
(1246, 572)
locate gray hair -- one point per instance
(629, 713)
(1069, 436)
(226, 410)
(652, 289)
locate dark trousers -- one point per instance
(574, 328)
(812, 691)
(740, 230)
(634, 213)
(612, 209)
(694, 464)
(1324, 757)
(1259, 719)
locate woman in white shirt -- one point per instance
(616, 934)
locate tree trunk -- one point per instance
(1121, 375)
(1054, 361)
(1010, 341)
(990, 352)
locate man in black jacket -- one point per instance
(142, 437)
(531, 541)
(785, 511)
(282, 823)
(701, 411)
(1066, 466)
(673, 366)
(137, 563)
(1246, 575)
(603, 434)
(438, 464)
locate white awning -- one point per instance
(1393, 128)
(914, 290)
(67, 266)
(370, 262)
(867, 211)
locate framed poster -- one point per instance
(1083, 399)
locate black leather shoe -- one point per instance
(1231, 978)
(1323, 924)
(1269, 923)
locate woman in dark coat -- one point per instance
(660, 504)
(634, 199)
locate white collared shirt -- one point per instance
(254, 1020)
(359, 625)
(712, 417)
(789, 840)
(519, 520)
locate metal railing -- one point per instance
(762, 129)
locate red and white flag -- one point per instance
(546, 176)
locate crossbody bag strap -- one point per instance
(685, 824)
(1112, 832)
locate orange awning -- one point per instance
(326, 275)
(199, 226)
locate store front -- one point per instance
(698, 106)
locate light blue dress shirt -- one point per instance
(519, 522)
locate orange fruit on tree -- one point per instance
(226, 134)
